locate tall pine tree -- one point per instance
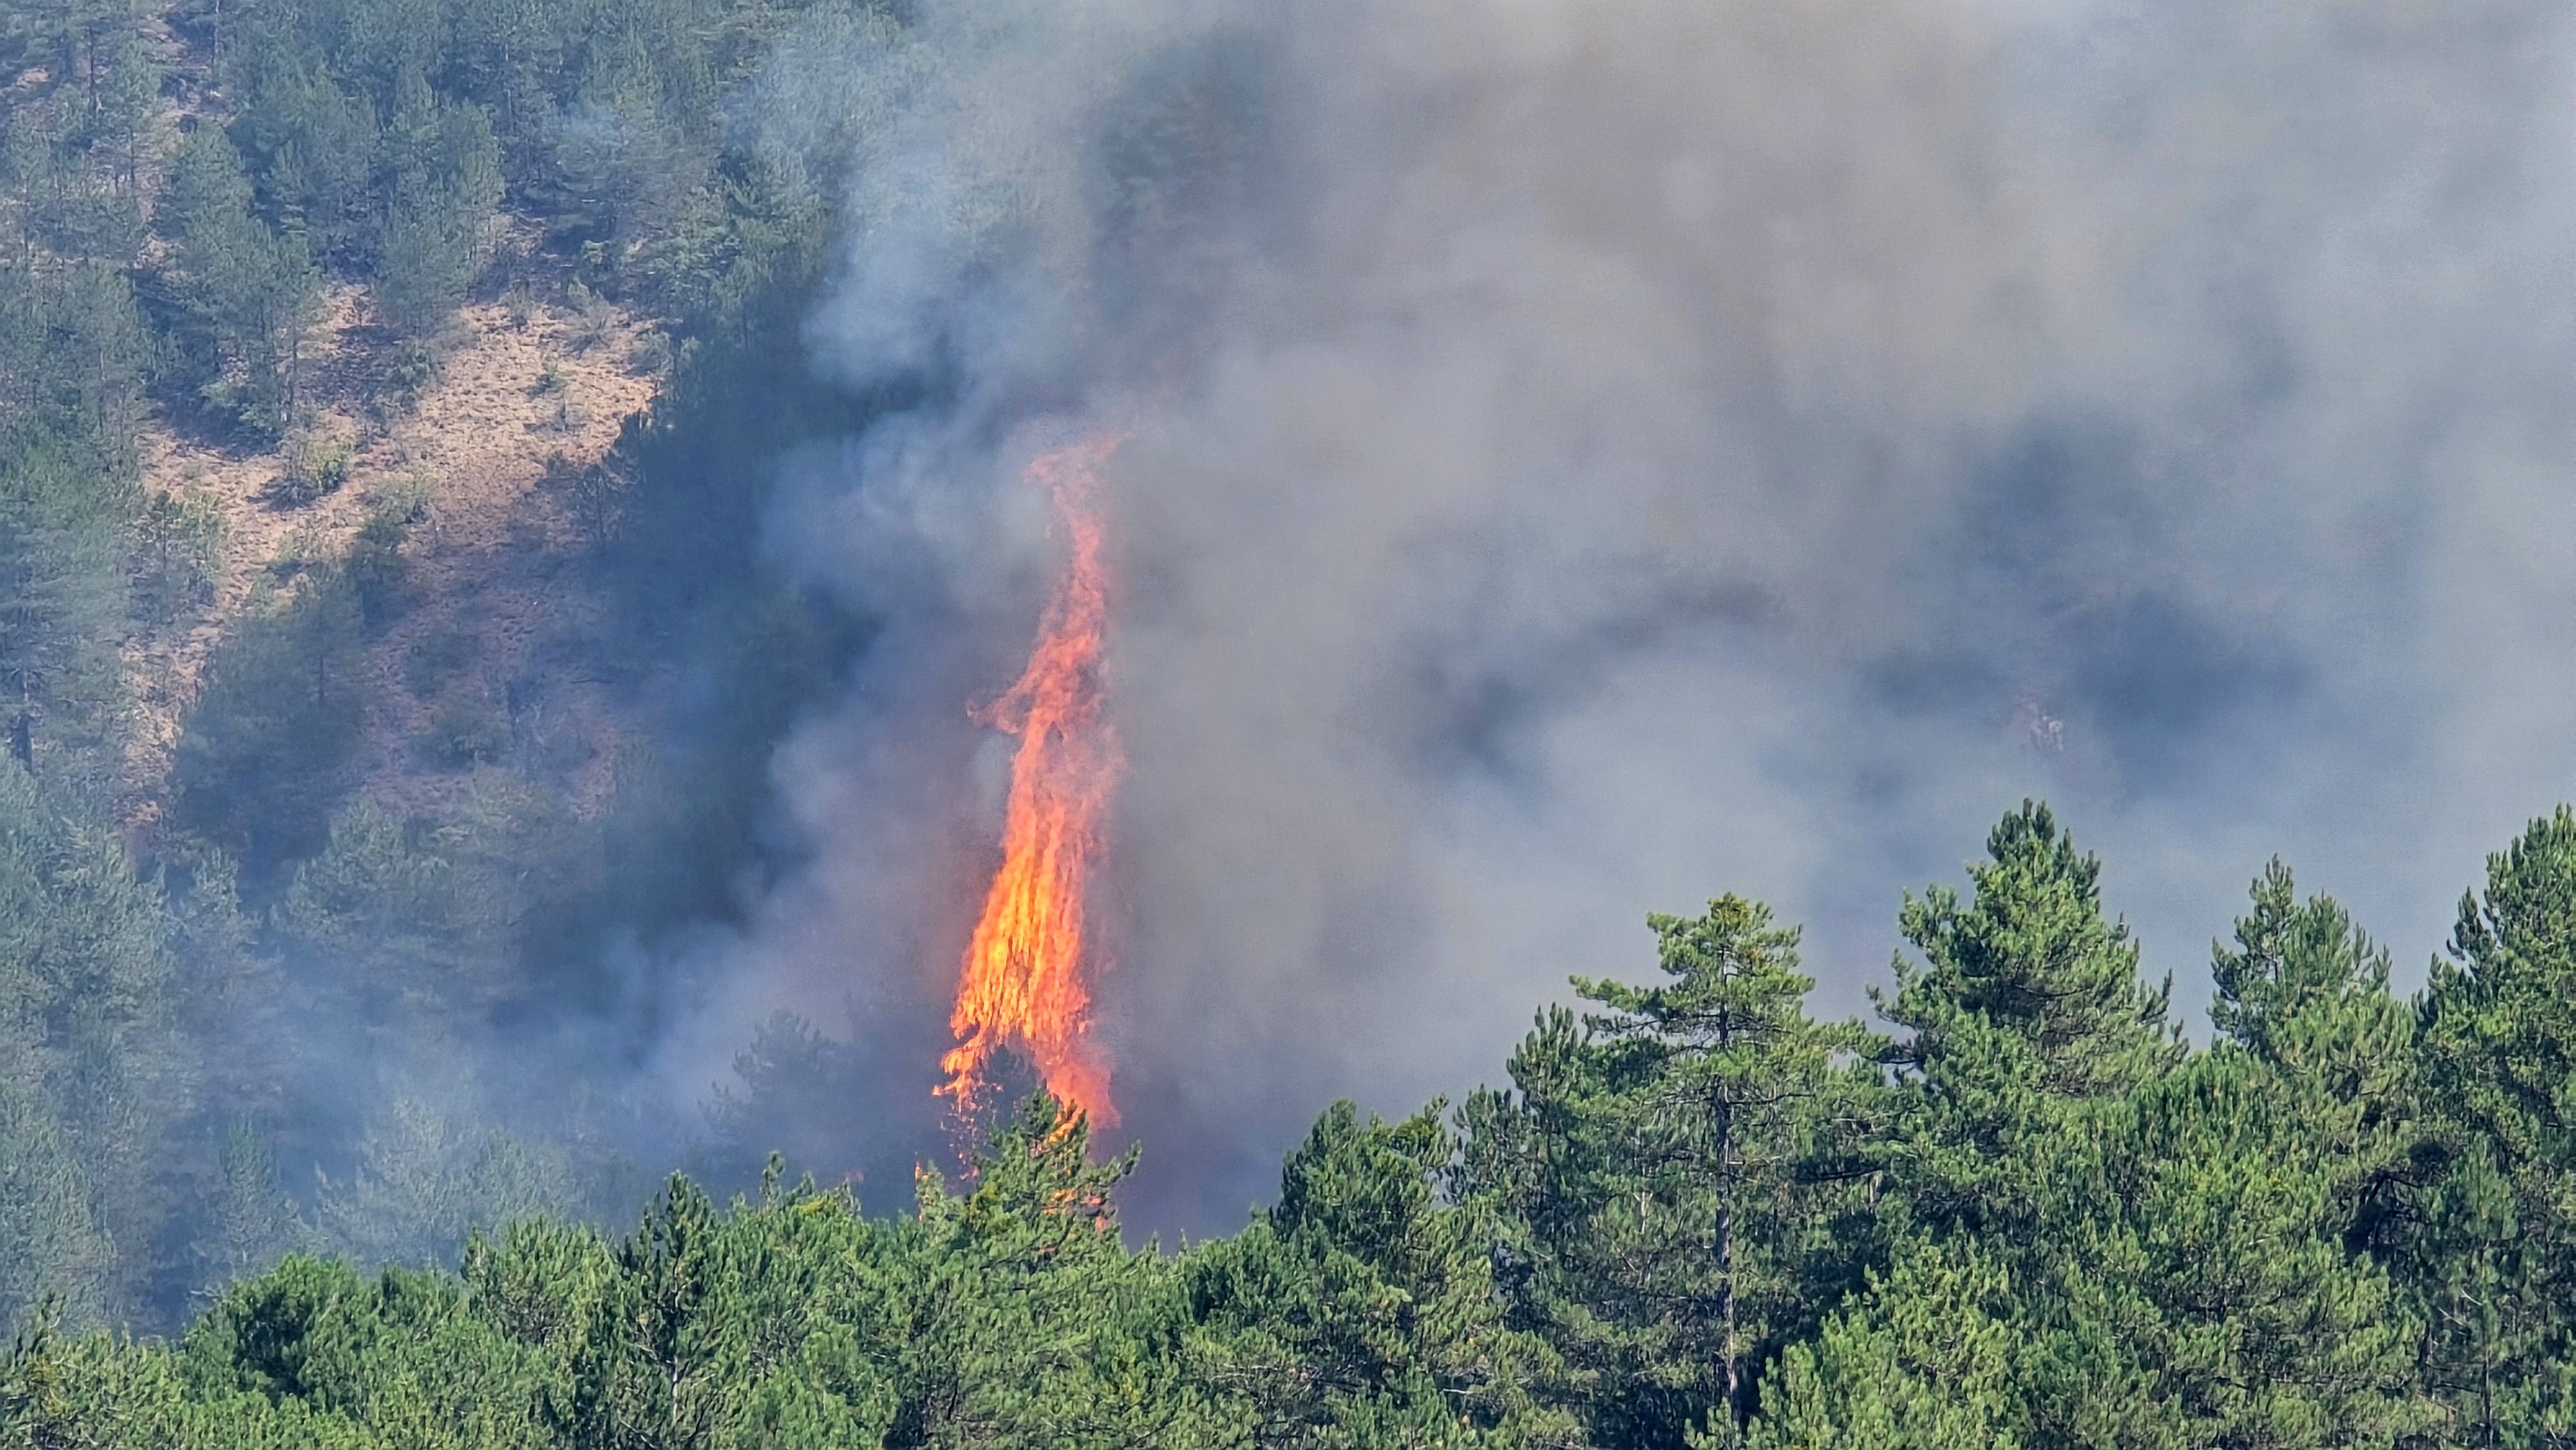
(2027, 1005)
(1671, 1169)
(2495, 1262)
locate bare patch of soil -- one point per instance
(530, 391)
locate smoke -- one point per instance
(1592, 457)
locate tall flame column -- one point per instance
(1024, 980)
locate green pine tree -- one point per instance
(249, 292)
(2495, 1259)
(1360, 1310)
(1924, 1361)
(442, 179)
(1675, 1174)
(2026, 1006)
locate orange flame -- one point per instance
(1023, 979)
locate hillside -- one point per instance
(385, 657)
(489, 442)
(519, 520)
(489, 464)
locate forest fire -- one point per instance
(1023, 980)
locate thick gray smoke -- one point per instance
(1594, 456)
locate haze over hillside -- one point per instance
(338, 619)
(520, 520)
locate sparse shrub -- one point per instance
(592, 317)
(303, 549)
(465, 729)
(650, 354)
(414, 368)
(376, 566)
(405, 495)
(315, 468)
(553, 379)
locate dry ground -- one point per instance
(529, 394)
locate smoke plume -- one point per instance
(1588, 457)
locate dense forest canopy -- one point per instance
(2027, 1212)
(398, 646)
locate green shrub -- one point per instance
(592, 316)
(376, 567)
(650, 354)
(315, 468)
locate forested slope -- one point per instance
(383, 395)
(387, 394)
(2027, 1214)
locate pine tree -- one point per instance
(1360, 1310)
(250, 1222)
(264, 752)
(1925, 1361)
(2027, 1006)
(125, 99)
(249, 292)
(1674, 1167)
(2190, 1279)
(91, 1083)
(51, 1242)
(2495, 1263)
(2305, 992)
(63, 606)
(441, 180)
(308, 142)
